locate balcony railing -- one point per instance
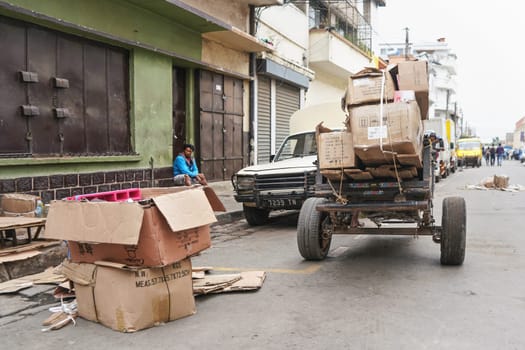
(342, 17)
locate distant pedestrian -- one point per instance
(486, 154)
(500, 153)
(492, 155)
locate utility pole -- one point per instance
(406, 43)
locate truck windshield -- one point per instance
(296, 146)
(469, 145)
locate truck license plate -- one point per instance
(280, 203)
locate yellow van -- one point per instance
(468, 152)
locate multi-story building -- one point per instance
(443, 101)
(100, 95)
(518, 140)
(316, 45)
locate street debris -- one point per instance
(496, 182)
(129, 263)
(62, 316)
(222, 283)
(49, 276)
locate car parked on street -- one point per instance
(516, 153)
(289, 178)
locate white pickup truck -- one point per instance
(289, 179)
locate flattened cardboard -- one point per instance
(333, 174)
(128, 300)
(250, 280)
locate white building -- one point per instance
(442, 74)
(317, 45)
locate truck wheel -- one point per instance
(312, 242)
(453, 231)
(255, 216)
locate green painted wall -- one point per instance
(120, 19)
(152, 106)
(150, 80)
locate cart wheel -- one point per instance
(313, 244)
(255, 216)
(453, 234)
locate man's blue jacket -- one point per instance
(182, 166)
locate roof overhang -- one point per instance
(210, 27)
(258, 3)
(235, 38)
(274, 69)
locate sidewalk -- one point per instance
(224, 191)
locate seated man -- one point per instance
(185, 171)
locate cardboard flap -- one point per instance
(213, 199)
(185, 210)
(116, 265)
(83, 274)
(98, 222)
(367, 72)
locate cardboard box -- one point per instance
(401, 132)
(18, 202)
(336, 150)
(365, 87)
(213, 199)
(130, 299)
(173, 227)
(413, 75)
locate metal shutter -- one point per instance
(263, 119)
(288, 98)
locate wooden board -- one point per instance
(8, 223)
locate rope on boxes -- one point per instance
(381, 112)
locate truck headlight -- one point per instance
(245, 182)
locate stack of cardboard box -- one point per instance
(130, 261)
(390, 146)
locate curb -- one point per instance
(228, 217)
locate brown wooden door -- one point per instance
(61, 94)
(220, 125)
(179, 110)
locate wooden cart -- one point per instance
(342, 209)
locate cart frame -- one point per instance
(383, 202)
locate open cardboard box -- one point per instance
(174, 226)
(130, 299)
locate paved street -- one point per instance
(371, 293)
